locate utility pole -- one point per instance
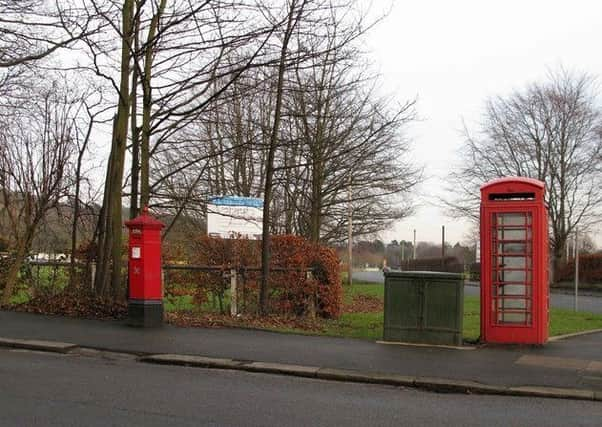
(414, 248)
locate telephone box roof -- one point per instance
(514, 180)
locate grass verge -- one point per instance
(370, 325)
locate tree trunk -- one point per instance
(316, 199)
(101, 276)
(74, 223)
(269, 171)
(135, 169)
(110, 250)
(147, 102)
(76, 204)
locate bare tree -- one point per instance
(550, 131)
(33, 29)
(172, 54)
(35, 151)
(332, 127)
(294, 13)
(353, 151)
(84, 120)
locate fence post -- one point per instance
(92, 274)
(233, 295)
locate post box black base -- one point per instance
(145, 313)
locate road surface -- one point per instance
(41, 389)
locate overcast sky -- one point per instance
(452, 55)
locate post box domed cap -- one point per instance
(514, 180)
(144, 220)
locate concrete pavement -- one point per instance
(569, 368)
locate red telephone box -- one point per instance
(145, 299)
(514, 262)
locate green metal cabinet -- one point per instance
(424, 307)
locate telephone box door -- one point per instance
(512, 269)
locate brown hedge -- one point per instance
(590, 269)
(291, 290)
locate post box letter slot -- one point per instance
(135, 252)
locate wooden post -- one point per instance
(162, 283)
(92, 274)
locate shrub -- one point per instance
(448, 264)
(590, 269)
(292, 290)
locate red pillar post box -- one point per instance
(145, 299)
(514, 262)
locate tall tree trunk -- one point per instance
(110, 249)
(316, 199)
(101, 277)
(147, 102)
(75, 216)
(76, 204)
(269, 169)
(135, 169)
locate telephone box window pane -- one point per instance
(518, 318)
(514, 304)
(503, 277)
(505, 234)
(514, 248)
(513, 290)
(514, 276)
(505, 262)
(512, 219)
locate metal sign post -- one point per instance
(576, 269)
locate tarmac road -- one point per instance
(586, 303)
(111, 389)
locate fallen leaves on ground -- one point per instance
(364, 304)
(208, 320)
(87, 307)
(90, 307)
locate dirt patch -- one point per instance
(364, 304)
